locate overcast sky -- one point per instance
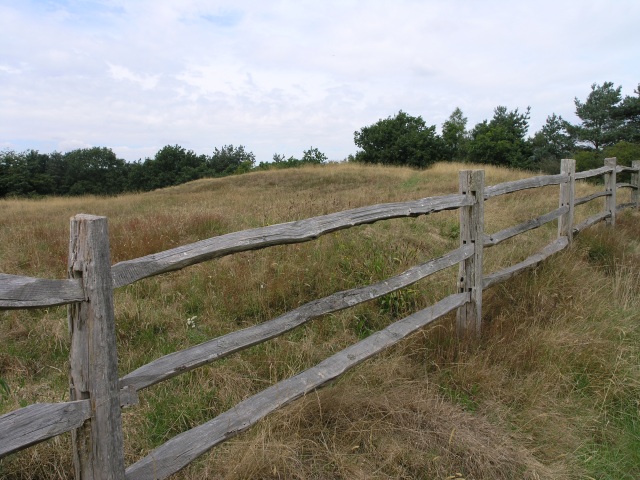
(282, 76)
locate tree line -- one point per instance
(98, 171)
(609, 127)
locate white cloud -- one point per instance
(8, 69)
(72, 144)
(281, 76)
(147, 82)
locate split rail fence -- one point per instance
(93, 414)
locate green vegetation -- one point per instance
(399, 140)
(552, 143)
(97, 171)
(550, 390)
(600, 126)
(313, 156)
(454, 136)
(501, 141)
(610, 126)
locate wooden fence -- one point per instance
(97, 394)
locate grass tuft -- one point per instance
(550, 390)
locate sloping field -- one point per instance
(551, 390)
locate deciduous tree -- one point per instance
(454, 136)
(173, 165)
(96, 171)
(229, 160)
(399, 140)
(313, 155)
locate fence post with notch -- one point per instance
(610, 188)
(469, 316)
(93, 373)
(567, 198)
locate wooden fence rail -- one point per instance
(97, 395)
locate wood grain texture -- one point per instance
(178, 452)
(610, 200)
(590, 221)
(588, 198)
(625, 185)
(620, 169)
(635, 180)
(29, 292)
(502, 235)
(623, 206)
(185, 360)
(592, 173)
(38, 422)
(532, 261)
(469, 316)
(567, 199)
(93, 373)
(524, 184)
(131, 271)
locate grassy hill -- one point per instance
(550, 390)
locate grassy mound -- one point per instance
(550, 391)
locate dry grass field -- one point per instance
(550, 391)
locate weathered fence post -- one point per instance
(610, 188)
(635, 180)
(98, 444)
(567, 198)
(469, 316)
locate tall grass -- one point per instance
(550, 391)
